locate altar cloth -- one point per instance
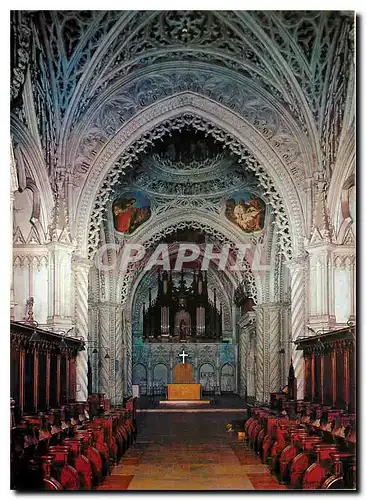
(184, 392)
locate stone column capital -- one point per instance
(80, 262)
(295, 265)
(104, 306)
(321, 247)
(53, 246)
(247, 319)
(270, 306)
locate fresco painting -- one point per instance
(246, 211)
(130, 211)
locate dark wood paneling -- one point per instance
(42, 381)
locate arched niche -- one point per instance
(139, 377)
(160, 378)
(207, 377)
(227, 381)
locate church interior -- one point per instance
(182, 297)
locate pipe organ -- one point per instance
(182, 313)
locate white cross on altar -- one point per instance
(183, 356)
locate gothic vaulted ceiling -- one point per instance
(79, 77)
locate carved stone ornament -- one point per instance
(178, 123)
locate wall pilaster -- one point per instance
(60, 285)
(273, 313)
(321, 287)
(344, 294)
(30, 274)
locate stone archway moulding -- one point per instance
(162, 226)
(219, 121)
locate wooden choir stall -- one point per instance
(43, 368)
(311, 443)
(330, 369)
(56, 442)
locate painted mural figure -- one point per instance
(123, 216)
(128, 216)
(247, 213)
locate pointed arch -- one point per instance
(153, 122)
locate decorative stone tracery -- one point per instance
(92, 91)
(190, 109)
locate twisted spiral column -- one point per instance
(285, 331)
(261, 355)
(243, 357)
(81, 271)
(246, 326)
(268, 364)
(119, 355)
(112, 351)
(297, 271)
(251, 365)
(274, 322)
(128, 358)
(104, 365)
(94, 337)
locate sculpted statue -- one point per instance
(182, 330)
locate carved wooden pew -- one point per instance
(97, 434)
(343, 472)
(64, 449)
(41, 478)
(66, 475)
(40, 426)
(290, 452)
(92, 455)
(120, 435)
(80, 462)
(282, 439)
(303, 459)
(317, 472)
(255, 427)
(23, 442)
(39, 436)
(107, 425)
(269, 438)
(125, 422)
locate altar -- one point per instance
(184, 392)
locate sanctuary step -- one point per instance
(224, 402)
(184, 402)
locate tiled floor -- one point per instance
(189, 451)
